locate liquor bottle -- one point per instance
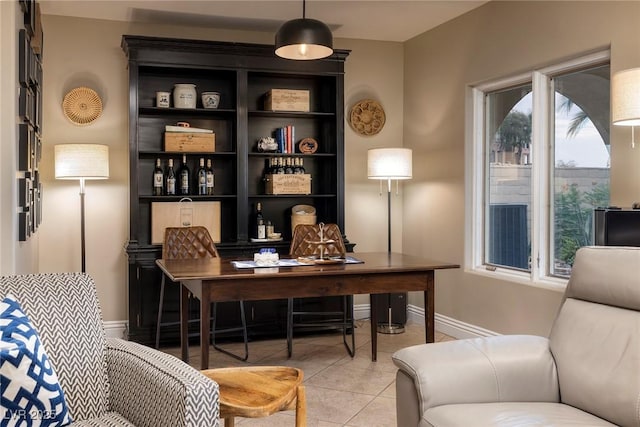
(288, 169)
(202, 178)
(184, 177)
(210, 181)
(170, 180)
(261, 229)
(158, 179)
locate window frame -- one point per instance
(542, 171)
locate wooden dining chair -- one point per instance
(302, 245)
(195, 243)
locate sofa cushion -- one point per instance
(30, 391)
(509, 414)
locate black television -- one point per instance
(616, 227)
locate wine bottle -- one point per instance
(280, 167)
(202, 178)
(170, 180)
(158, 179)
(261, 229)
(210, 181)
(288, 169)
(185, 177)
(301, 166)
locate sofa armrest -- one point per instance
(492, 369)
(151, 388)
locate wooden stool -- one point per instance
(259, 391)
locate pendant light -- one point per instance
(304, 39)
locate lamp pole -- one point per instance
(82, 239)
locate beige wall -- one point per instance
(374, 70)
(496, 40)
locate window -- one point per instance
(539, 156)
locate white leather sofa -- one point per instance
(587, 373)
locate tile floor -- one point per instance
(340, 390)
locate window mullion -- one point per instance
(540, 175)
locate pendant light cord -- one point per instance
(304, 9)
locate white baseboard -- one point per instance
(444, 324)
(116, 328)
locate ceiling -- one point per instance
(391, 20)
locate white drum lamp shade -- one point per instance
(81, 161)
(625, 98)
(389, 163)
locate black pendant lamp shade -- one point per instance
(304, 39)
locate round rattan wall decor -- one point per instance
(367, 117)
(82, 106)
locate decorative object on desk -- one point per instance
(389, 164)
(82, 106)
(267, 144)
(304, 39)
(625, 101)
(367, 117)
(162, 99)
(184, 95)
(81, 162)
(267, 257)
(210, 99)
(308, 145)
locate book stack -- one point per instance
(285, 138)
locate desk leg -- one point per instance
(429, 312)
(184, 322)
(205, 330)
(374, 326)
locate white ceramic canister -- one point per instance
(184, 95)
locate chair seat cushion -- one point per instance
(30, 393)
(110, 419)
(508, 414)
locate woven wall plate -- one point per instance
(82, 106)
(367, 117)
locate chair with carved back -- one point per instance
(194, 243)
(304, 244)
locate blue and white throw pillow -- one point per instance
(30, 394)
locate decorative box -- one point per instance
(184, 214)
(190, 142)
(286, 100)
(288, 184)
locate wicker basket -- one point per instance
(302, 214)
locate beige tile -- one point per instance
(347, 378)
(334, 406)
(381, 412)
(362, 360)
(389, 391)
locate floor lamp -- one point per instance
(389, 164)
(82, 162)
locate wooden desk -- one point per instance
(216, 279)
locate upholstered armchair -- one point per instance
(587, 373)
(107, 381)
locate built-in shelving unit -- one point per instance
(242, 74)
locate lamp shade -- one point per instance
(625, 98)
(389, 163)
(86, 161)
(304, 39)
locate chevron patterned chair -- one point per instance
(108, 381)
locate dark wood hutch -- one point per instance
(242, 74)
